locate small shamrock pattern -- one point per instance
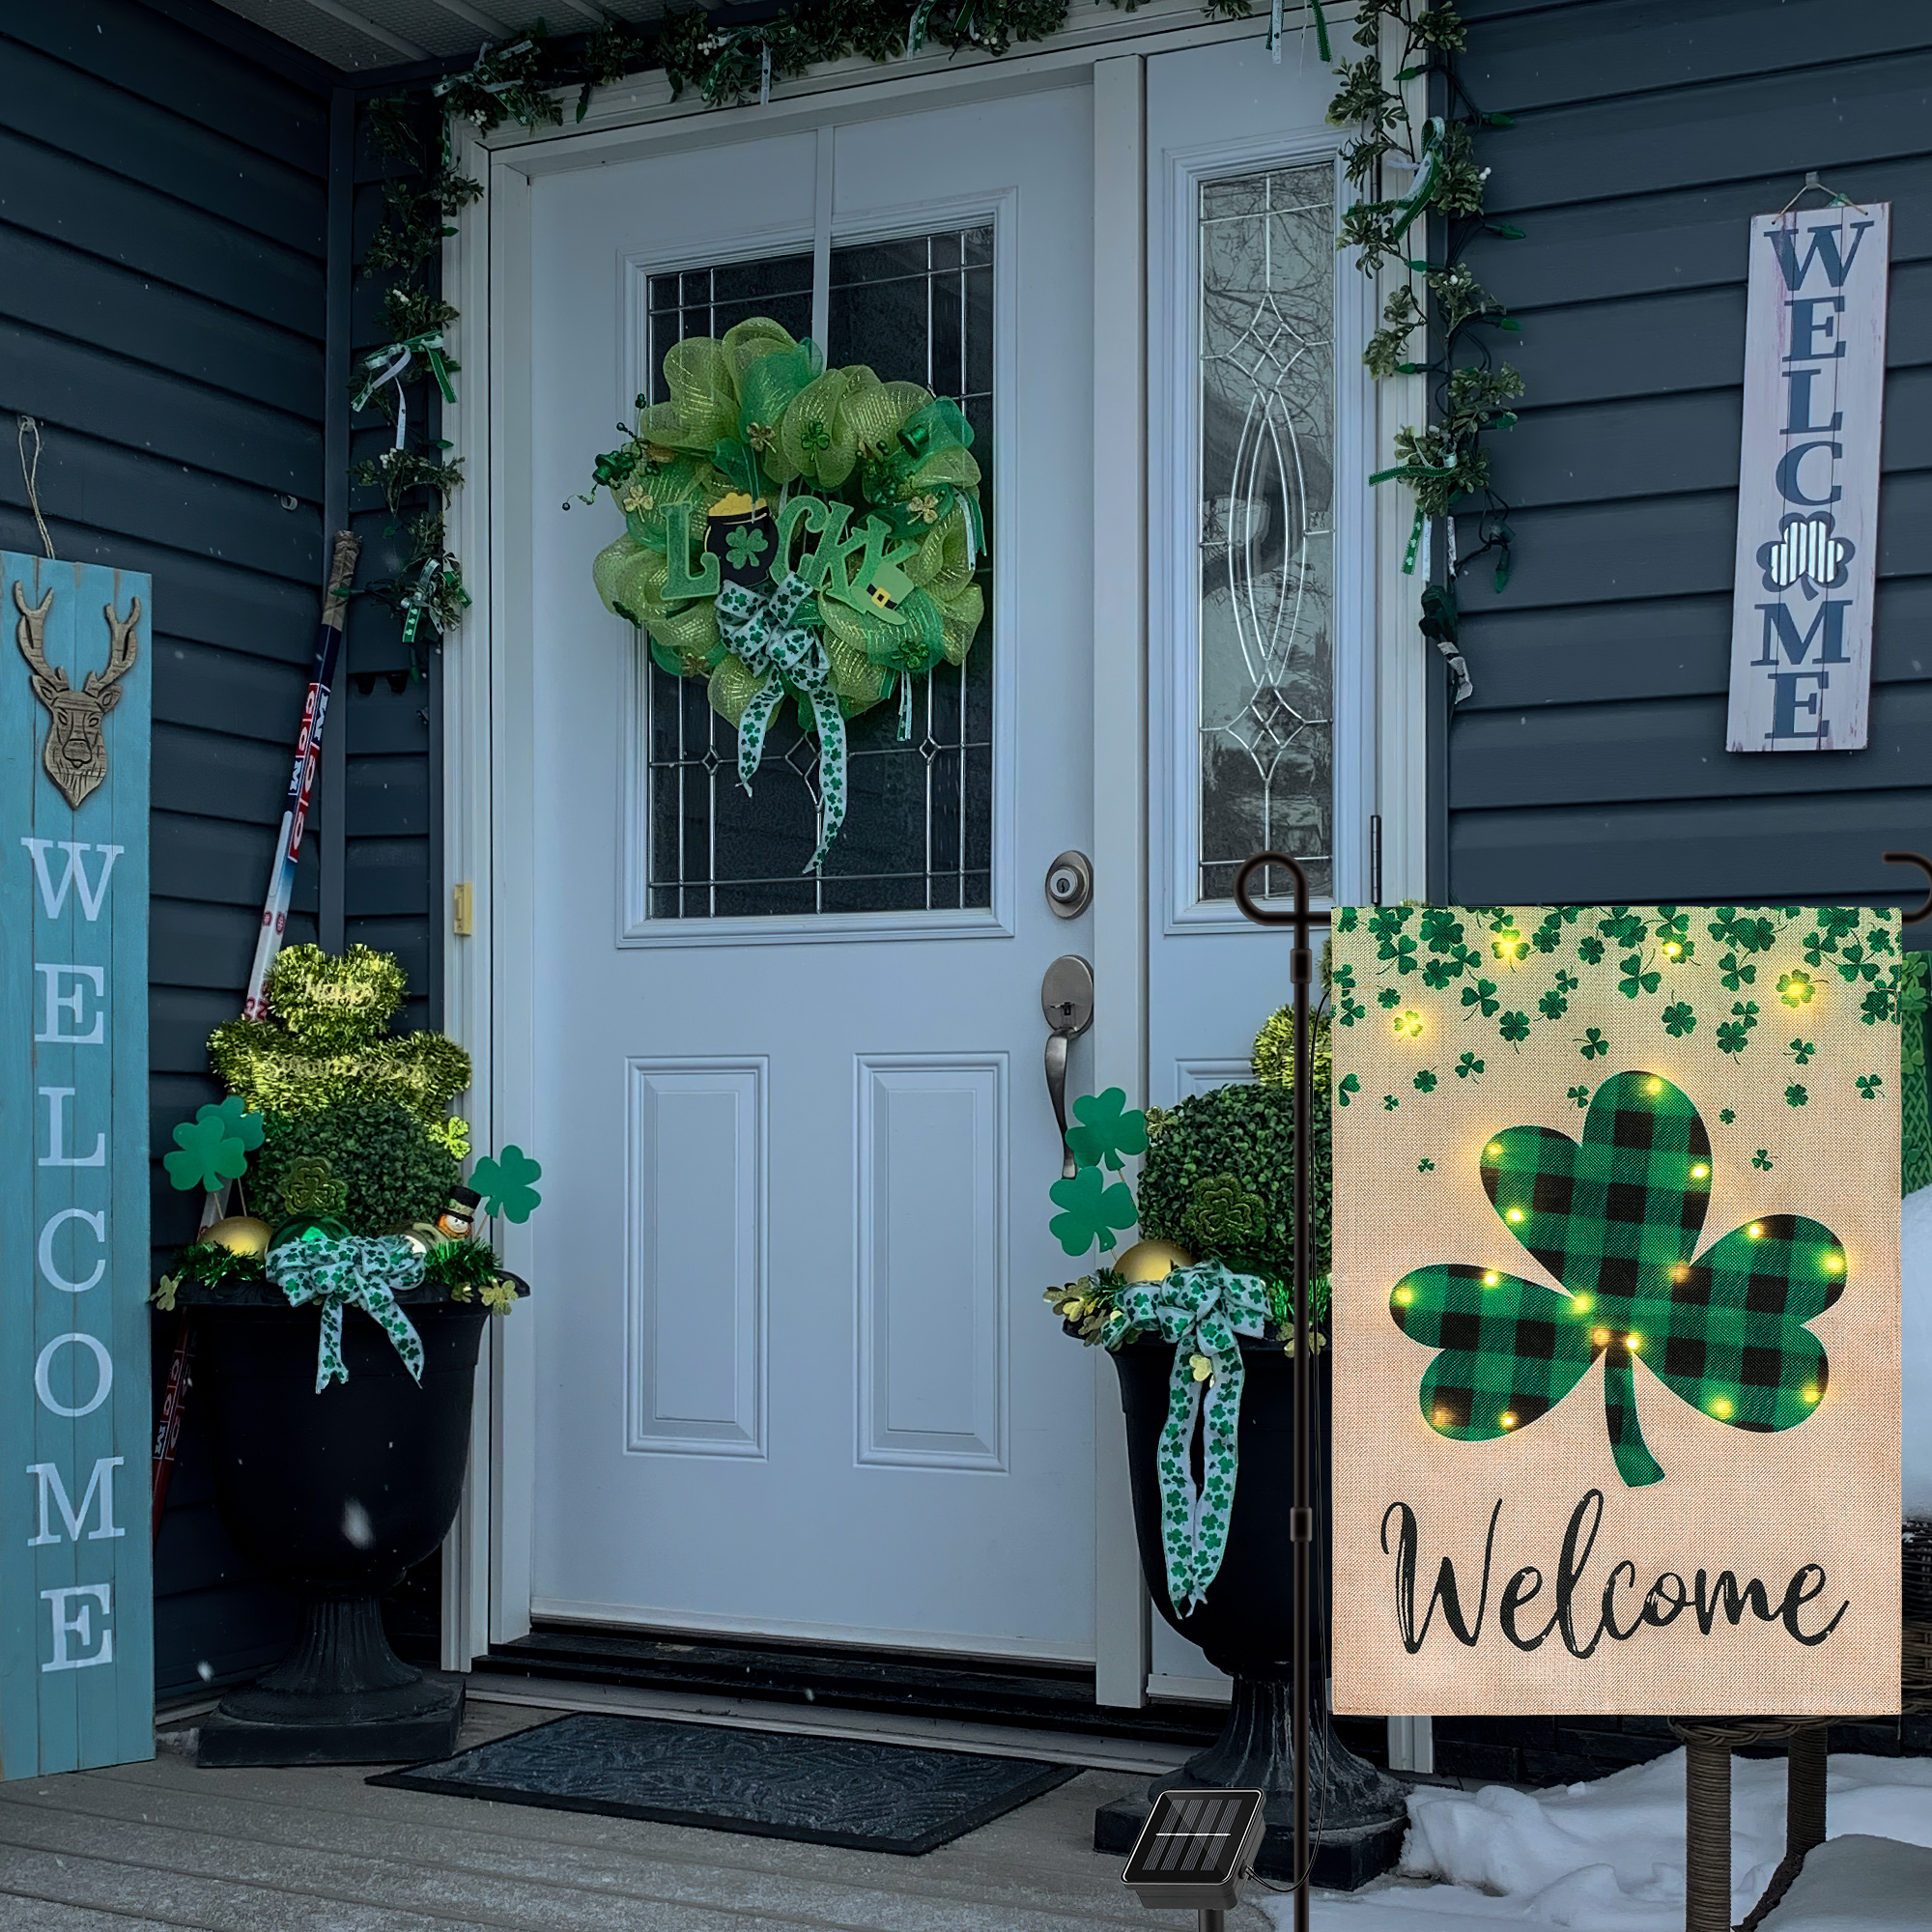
(1468, 1067)
(1424, 1082)
(1762, 1159)
(1615, 1219)
(1869, 1086)
(1803, 1051)
(1796, 1095)
(1425, 1165)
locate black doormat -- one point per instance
(774, 1784)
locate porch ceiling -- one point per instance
(358, 34)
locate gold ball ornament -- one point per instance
(1151, 1260)
(239, 1235)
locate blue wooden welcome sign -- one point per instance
(76, 1597)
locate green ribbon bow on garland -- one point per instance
(765, 634)
(390, 363)
(342, 1271)
(1200, 1309)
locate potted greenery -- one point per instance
(338, 1318)
(1199, 1320)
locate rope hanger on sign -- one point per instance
(30, 476)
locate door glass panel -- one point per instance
(918, 830)
(1266, 414)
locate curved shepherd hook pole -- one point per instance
(1301, 1520)
(1917, 859)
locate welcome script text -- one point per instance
(1582, 1613)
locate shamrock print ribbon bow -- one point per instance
(1617, 1219)
(1200, 1309)
(766, 634)
(390, 363)
(350, 1270)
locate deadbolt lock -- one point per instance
(1069, 885)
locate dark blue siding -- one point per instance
(162, 209)
(1590, 763)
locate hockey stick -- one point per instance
(274, 922)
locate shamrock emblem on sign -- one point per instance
(1806, 554)
(1615, 1219)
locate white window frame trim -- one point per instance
(636, 928)
(1177, 561)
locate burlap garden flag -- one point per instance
(1616, 1310)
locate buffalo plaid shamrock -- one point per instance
(1615, 1218)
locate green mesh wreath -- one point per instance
(794, 531)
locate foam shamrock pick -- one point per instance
(1091, 1208)
(1107, 1132)
(504, 1181)
(213, 1148)
(1615, 1219)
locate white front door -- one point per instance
(793, 1373)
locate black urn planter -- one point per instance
(1245, 1624)
(336, 1496)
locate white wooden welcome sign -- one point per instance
(1808, 494)
(76, 1646)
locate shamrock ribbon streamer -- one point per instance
(341, 1272)
(766, 634)
(1200, 1309)
(390, 363)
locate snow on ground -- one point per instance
(1608, 1856)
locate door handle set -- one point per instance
(1066, 999)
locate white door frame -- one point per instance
(488, 682)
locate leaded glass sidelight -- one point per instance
(918, 830)
(1265, 414)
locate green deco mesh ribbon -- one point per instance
(338, 1271)
(1201, 1308)
(872, 493)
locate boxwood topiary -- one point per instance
(389, 1169)
(1219, 1178)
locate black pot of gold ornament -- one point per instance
(742, 534)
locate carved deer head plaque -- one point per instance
(76, 754)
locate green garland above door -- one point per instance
(527, 77)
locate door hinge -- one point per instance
(463, 909)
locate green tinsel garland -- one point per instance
(457, 1269)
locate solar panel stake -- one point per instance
(1197, 1848)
